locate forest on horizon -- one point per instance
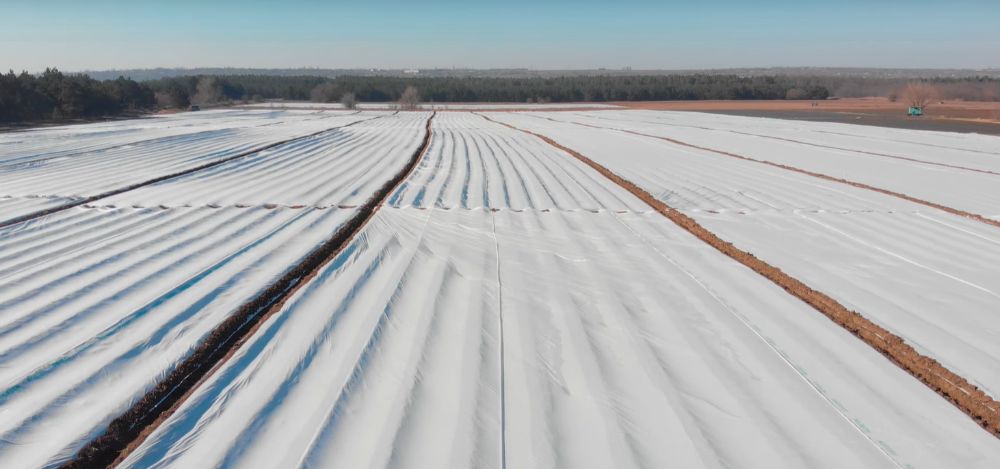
(55, 96)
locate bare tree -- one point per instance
(208, 91)
(349, 100)
(167, 100)
(410, 99)
(795, 93)
(324, 93)
(919, 94)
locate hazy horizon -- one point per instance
(539, 69)
(113, 34)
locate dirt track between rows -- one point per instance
(129, 430)
(984, 410)
(945, 208)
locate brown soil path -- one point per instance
(127, 431)
(974, 402)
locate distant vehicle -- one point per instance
(195, 107)
(915, 111)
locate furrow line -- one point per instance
(87, 200)
(503, 365)
(975, 403)
(900, 195)
(128, 430)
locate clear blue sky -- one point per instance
(101, 34)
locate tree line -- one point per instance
(976, 88)
(185, 90)
(53, 95)
(180, 91)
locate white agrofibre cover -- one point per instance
(625, 343)
(490, 317)
(924, 274)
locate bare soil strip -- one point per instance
(974, 402)
(87, 200)
(954, 211)
(128, 430)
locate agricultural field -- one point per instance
(552, 287)
(275, 105)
